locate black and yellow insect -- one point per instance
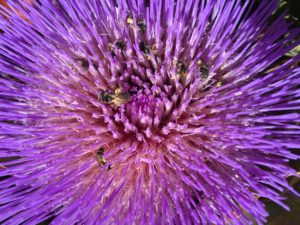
(203, 68)
(111, 49)
(181, 67)
(129, 19)
(84, 63)
(144, 47)
(141, 25)
(105, 97)
(100, 158)
(120, 45)
(118, 98)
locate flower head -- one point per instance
(145, 112)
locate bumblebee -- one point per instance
(118, 98)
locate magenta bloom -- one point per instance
(145, 112)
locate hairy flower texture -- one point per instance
(145, 112)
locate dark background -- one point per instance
(279, 216)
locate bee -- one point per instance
(129, 19)
(181, 67)
(84, 63)
(118, 98)
(141, 25)
(105, 97)
(121, 45)
(100, 158)
(111, 49)
(144, 47)
(204, 70)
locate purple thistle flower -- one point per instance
(145, 112)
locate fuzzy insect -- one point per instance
(144, 47)
(120, 45)
(203, 68)
(84, 63)
(100, 158)
(129, 19)
(118, 98)
(181, 67)
(141, 25)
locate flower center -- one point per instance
(149, 86)
(145, 111)
(140, 109)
